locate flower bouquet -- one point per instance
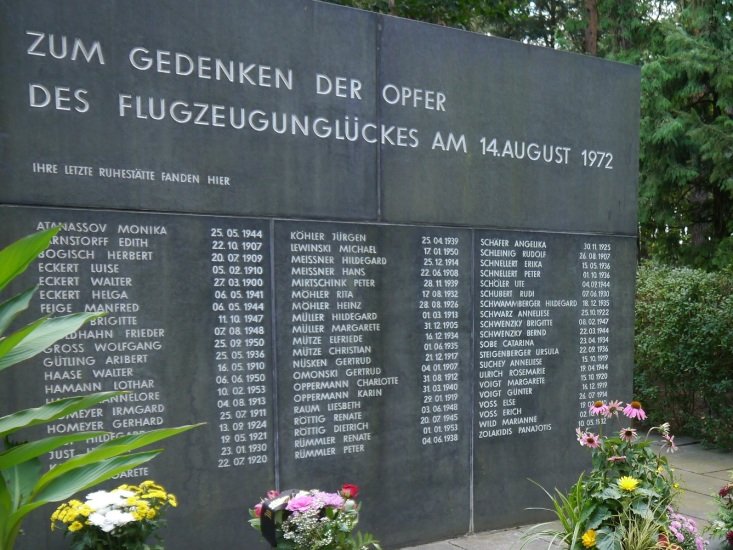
(627, 494)
(120, 519)
(722, 525)
(309, 520)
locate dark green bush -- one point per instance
(684, 350)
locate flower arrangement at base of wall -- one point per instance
(722, 525)
(121, 519)
(310, 520)
(625, 501)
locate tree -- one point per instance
(686, 184)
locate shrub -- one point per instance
(684, 349)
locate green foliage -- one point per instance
(24, 486)
(471, 15)
(569, 511)
(638, 532)
(686, 184)
(621, 502)
(722, 524)
(684, 349)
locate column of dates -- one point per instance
(594, 328)
(438, 307)
(238, 269)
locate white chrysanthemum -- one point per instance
(101, 500)
(111, 520)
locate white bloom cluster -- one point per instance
(110, 509)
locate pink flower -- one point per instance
(272, 493)
(725, 491)
(591, 440)
(668, 443)
(329, 499)
(301, 503)
(614, 407)
(634, 410)
(579, 436)
(628, 434)
(258, 510)
(599, 408)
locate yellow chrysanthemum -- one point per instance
(172, 500)
(589, 538)
(151, 514)
(628, 483)
(76, 526)
(85, 510)
(151, 486)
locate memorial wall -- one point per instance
(362, 249)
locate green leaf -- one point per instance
(611, 493)
(135, 441)
(51, 411)
(642, 509)
(20, 480)
(11, 308)
(73, 482)
(39, 335)
(608, 541)
(648, 492)
(600, 514)
(112, 448)
(70, 482)
(15, 258)
(27, 451)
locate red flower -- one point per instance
(725, 491)
(258, 509)
(729, 537)
(349, 491)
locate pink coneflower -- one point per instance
(614, 407)
(599, 408)
(634, 410)
(579, 436)
(668, 443)
(614, 459)
(628, 434)
(591, 440)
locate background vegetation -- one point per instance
(685, 51)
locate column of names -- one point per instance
(333, 274)
(91, 267)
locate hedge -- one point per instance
(684, 350)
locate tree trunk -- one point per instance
(591, 31)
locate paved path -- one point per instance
(701, 473)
